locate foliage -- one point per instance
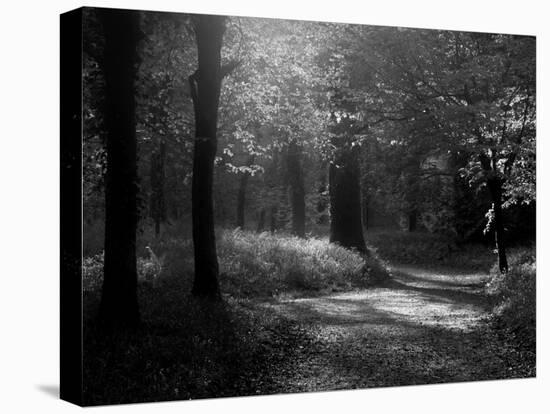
(428, 249)
(148, 269)
(267, 264)
(423, 94)
(259, 265)
(514, 296)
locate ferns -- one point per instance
(254, 264)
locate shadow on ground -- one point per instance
(422, 327)
(51, 390)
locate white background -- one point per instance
(29, 207)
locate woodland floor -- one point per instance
(424, 326)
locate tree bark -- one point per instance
(241, 195)
(412, 220)
(205, 89)
(119, 305)
(495, 188)
(345, 199)
(322, 203)
(297, 191)
(261, 221)
(494, 183)
(273, 219)
(365, 209)
(157, 176)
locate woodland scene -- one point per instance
(278, 206)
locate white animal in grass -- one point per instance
(151, 268)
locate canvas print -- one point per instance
(278, 206)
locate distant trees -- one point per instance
(437, 94)
(119, 306)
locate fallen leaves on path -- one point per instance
(425, 326)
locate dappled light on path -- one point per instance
(413, 297)
(424, 326)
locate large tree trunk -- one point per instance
(365, 209)
(157, 176)
(412, 220)
(119, 306)
(345, 199)
(297, 191)
(495, 188)
(241, 195)
(205, 89)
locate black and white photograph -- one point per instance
(253, 205)
(279, 206)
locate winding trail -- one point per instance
(424, 326)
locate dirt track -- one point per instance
(424, 326)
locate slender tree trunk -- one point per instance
(297, 191)
(345, 201)
(322, 203)
(205, 89)
(119, 305)
(273, 219)
(365, 210)
(261, 221)
(494, 183)
(495, 188)
(241, 195)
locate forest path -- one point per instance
(423, 326)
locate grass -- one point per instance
(189, 348)
(513, 295)
(186, 348)
(258, 265)
(269, 265)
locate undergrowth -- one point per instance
(186, 348)
(257, 265)
(513, 295)
(269, 264)
(429, 249)
(191, 348)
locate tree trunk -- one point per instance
(297, 191)
(119, 305)
(157, 176)
(273, 219)
(322, 203)
(412, 220)
(365, 210)
(205, 89)
(494, 183)
(345, 201)
(241, 195)
(261, 221)
(495, 188)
